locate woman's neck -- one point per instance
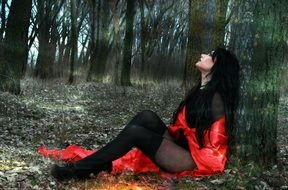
(204, 79)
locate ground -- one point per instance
(90, 114)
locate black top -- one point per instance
(217, 112)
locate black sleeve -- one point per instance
(217, 107)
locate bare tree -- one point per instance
(117, 41)
(15, 46)
(220, 22)
(100, 51)
(267, 62)
(73, 40)
(47, 36)
(3, 18)
(256, 35)
(128, 41)
(195, 42)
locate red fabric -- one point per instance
(210, 160)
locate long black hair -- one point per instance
(225, 81)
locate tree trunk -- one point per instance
(240, 39)
(43, 68)
(195, 42)
(117, 38)
(143, 39)
(73, 41)
(101, 51)
(128, 42)
(61, 49)
(3, 19)
(92, 41)
(220, 23)
(83, 52)
(47, 12)
(15, 46)
(261, 111)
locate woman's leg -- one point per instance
(146, 131)
(165, 153)
(170, 156)
(173, 158)
(132, 135)
(151, 121)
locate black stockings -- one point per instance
(146, 131)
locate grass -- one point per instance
(91, 114)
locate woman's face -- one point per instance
(205, 63)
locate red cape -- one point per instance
(210, 160)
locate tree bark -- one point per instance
(43, 68)
(241, 41)
(73, 41)
(220, 23)
(143, 38)
(101, 50)
(128, 42)
(47, 12)
(15, 46)
(195, 42)
(257, 38)
(270, 19)
(117, 39)
(3, 19)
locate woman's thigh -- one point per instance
(173, 158)
(149, 120)
(168, 136)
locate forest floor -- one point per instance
(90, 115)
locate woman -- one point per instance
(196, 139)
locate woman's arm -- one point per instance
(218, 110)
(212, 157)
(180, 125)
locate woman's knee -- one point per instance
(145, 117)
(149, 120)
(147, 114)
(132, 129)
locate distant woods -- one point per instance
(136, 41)
(113, 40)
(119, 41)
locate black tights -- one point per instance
(145, 131)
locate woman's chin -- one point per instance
(198, 65)
(199, 68)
